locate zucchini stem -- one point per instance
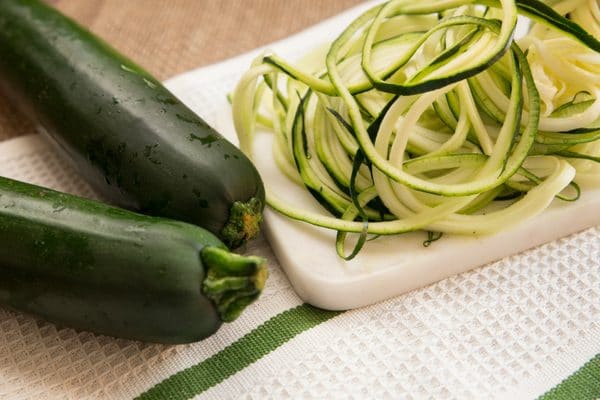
(232, 281)
(243, 224)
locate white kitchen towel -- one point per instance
(512, 329)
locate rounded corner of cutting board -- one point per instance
(324, 288)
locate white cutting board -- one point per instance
(388, 266)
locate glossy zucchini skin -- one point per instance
(133, 140)
(90, 266)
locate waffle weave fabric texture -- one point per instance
(509, 330)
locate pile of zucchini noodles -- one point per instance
(429, 115)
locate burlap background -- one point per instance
(168, 37)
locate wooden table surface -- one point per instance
(168, 37)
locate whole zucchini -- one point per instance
(91, 266)
(133, 140)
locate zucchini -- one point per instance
(435, 127)
(133, 140)
(90, 266)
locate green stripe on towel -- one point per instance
(584, 384)
(253, 346)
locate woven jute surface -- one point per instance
(168, 37)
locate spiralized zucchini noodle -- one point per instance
(430, 116)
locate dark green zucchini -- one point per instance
(133, 140)
(91, 266)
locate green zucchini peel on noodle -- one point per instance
(433, 116)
